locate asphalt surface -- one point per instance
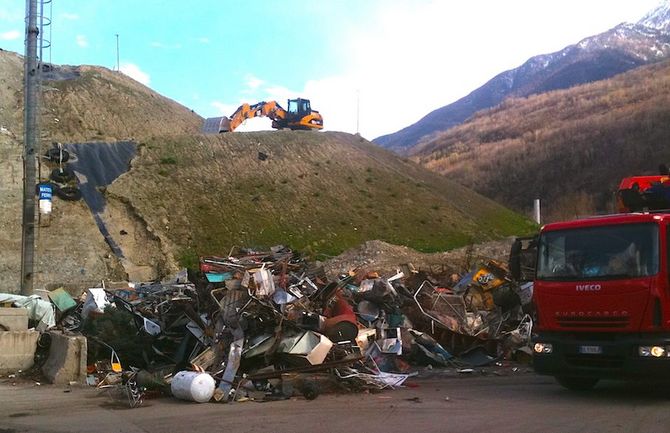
(517, 403)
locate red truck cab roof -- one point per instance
(623, 218)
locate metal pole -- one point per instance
(358, 109)
(536, 210)
(30, 148)
(118, 68)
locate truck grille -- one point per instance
(593, 322)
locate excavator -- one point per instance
(299, 116)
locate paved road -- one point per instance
(518, 403)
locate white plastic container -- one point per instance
(45, 207)
(193, 386)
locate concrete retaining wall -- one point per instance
(67, 359)
(13, 319)
(17, 350)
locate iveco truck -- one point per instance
(602, 291)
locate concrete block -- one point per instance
(13, 319)
(17, 350)
(67, 359)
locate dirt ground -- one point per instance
(518, 402)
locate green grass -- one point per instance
(221, 196)
(169, 160)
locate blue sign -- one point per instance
(46, 192)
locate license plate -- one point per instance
(591, 350)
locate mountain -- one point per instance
(185, 194)
(570, 148)
(620, 49)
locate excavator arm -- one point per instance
(245, 111)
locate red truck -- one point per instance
(602, 291)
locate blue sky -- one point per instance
(400, 59)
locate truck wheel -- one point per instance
(577, 383)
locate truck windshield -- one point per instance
(599, 253)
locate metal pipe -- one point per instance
(118, 66)
(536, 211)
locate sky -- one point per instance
(369, 66)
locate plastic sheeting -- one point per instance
(39, 310)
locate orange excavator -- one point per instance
(299, 116)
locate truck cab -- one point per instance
(602, 295)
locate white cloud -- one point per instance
(224, 109)
(336, 98)
(203, 40)
(255, 124)
(134, 72)
(414, 57)
(253, 82)
(69, 17)
(81, 41)
(10, 35)
(11, 15)
(278, 93)
(156, 44)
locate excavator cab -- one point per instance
(297, 108)
(301, 116)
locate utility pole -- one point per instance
(30, 148)
(358, 110)
(118, 68)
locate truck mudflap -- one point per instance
(605, 356)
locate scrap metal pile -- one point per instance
(257, 322)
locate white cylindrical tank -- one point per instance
(193, 386)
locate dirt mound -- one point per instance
(321, 193)
(382, 257)
(186, 194)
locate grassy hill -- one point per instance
(569, 147)
(189, 194)
(320, 192)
